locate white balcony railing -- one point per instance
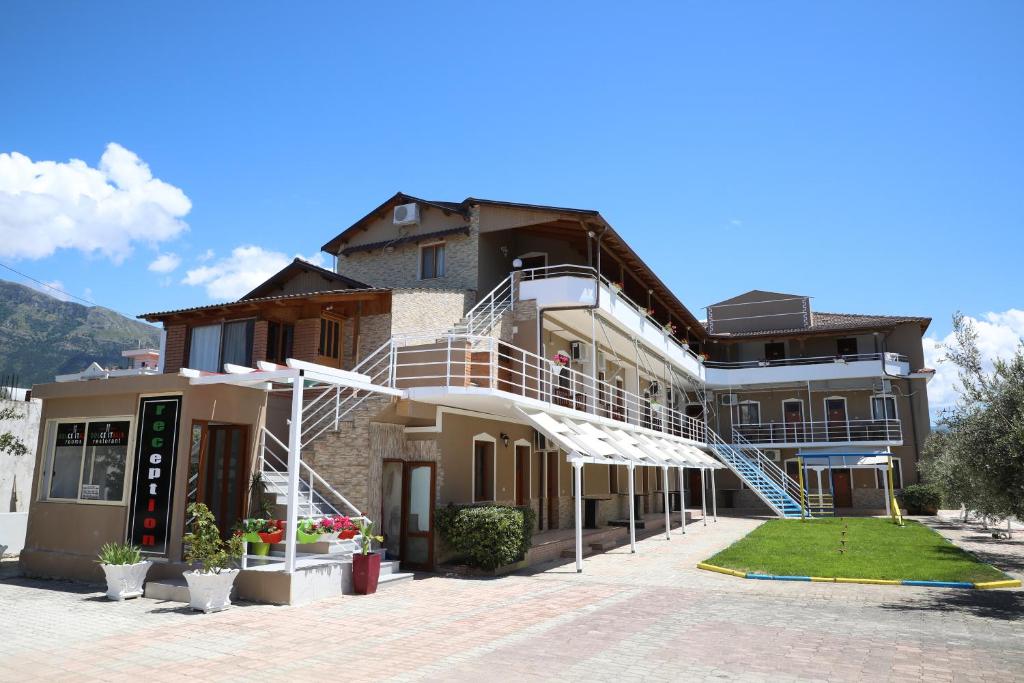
(819, 431)
(467, 362)
(810, 360)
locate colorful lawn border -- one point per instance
(980, 585)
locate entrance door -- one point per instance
(842, 488)
(793, 416)
(696, 492)
(522, 457)
(552, 490)
(224, 482)
(838, 426)
(407, 512)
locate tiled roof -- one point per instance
(462, 230)
(280, 297)
(298, 264)
(833, 322)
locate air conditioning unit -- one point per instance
(728, 399)
(407, 214)
(579, 351)
(883, 387)
(773, 454)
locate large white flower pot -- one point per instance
(210, 592)
(125, 580)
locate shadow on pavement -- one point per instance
(1004, 605)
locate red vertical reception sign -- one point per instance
(156, 448)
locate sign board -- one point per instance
(156, 446)
(90, 492)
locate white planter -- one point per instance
(332, 536)
(125, 580)
(210, 592)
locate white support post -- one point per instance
(703, 497)
(668, 508)
(682, 500)
(714, 499)
(294, 445)
(631, 469)
(577, 473)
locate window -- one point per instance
(483, 471)
(897, 476)
(280, 338)
(846, 346)
(330, 337)
(748, 413)
(210, 346)
(85, 460)
(432, 261)
(775, 350)
(883, 407)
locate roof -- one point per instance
(294, 268)
(756, 296)
(335, 245)
(335, 294)
(822, 323)
(463, 230)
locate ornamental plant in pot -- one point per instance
(337, 527)
(209, 586)
(366, 564)
(307, 531)
(125, 570)
(254, 530)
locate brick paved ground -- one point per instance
(1007, 554)
(629, 617)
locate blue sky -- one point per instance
(868, 154)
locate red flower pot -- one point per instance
(272, 537)
(365, 572)
(347, 534)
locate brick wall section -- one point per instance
(374, 330)
(259, 341)
(174, 349)
(307, 339)
(425, 310)
(400, 268)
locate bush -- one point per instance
(487, 536)
(921, 499)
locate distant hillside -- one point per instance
(41, 336)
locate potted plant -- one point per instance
(307, 531)
(337, 527)
(209, 586)
(366, 564)
(616, 287)
(273, 531)
(125, 570)
(254, 530)
(670, 329)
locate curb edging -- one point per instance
(981, 585)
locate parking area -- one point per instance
(647, 616)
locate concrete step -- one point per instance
(171, 590)
(392, 579)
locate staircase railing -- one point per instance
(768, 466)
(767, 480)
(312, 486)
(487, 312)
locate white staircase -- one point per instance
(760, 473)
(488, 311)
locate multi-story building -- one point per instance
(493, 352)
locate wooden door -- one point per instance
(838, 427)
(696, 491)
(552, 490)
(418, 516)
(329, 351)
(842, 488)
(793, 416)
(224, 481)
(522, 458)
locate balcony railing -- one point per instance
(809, 360)
(819, 431)
(461, 361)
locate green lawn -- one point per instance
(875, 549)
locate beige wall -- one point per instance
(63, 538)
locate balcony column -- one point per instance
(682, 501)
(294, 447)
(703, 497)
(631, 470)
(577, 473)
(714, 499)
(668, 507)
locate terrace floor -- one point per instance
(647, 616)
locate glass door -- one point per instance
(418, 516)
(224, 482)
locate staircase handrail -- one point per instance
(768, 466)
(490, 307)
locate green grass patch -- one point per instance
(874, 549)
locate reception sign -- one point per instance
(149, 517)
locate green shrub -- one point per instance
(921, 499)
(120, 553)
(204, 544)
(487, 536)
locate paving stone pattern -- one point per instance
(649, 616)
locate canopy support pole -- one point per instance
(294, 445)
(577, 473)
(703, 497)
(682, 500)
(714, 499)
(884, 473)
(668, 508)
(630, 468)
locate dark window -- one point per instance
(210, 346)
(330, 337)
(897, 476)
(775, 350)
(883, 407)
(613, 478)
(748, 413)
(280, 337)
(483, 471)
(847, 346)
(432, 261)
(236, 346)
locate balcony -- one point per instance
(565, 286)
(484, 374)
(783, 370)
(820, 433)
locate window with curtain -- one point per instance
(280, 338)
(204, 348)
(883, 407)
(432, 261)
(236, 347)
(748, 414)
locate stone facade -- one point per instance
(422, 309)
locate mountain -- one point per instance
(41, 336)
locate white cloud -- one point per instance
(232, 276)
(205, 256)
(998, 336)
(50, 205)
(165, 263)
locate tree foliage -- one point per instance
(977, 455)
(9, 443)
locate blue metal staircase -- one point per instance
(769, 481)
